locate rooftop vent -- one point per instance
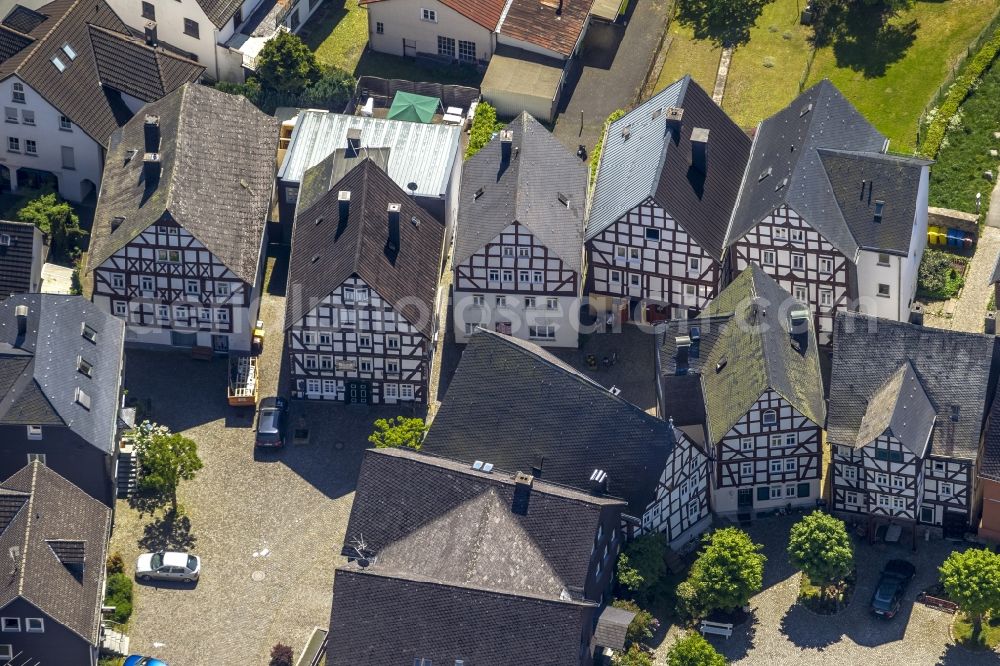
(657, 113)
(522, 493)
(314, 259)
(781, 184)
(536, 468)
(21, 312)
(130, 155)
(599, 482)
(721, 365)
(506, 143)
(151, 168)
(805, 109)
(414, 221)
(626, 132)
(343, 209)
(798, 327)
(319, 220)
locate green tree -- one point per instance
(484, 126)
(820, 546)
(167, 459)
(634, 656)
(399, 432)
(724, 22)
(972, 580)
(693, 650)
(251, 89)
(642, 626)
(56, 219)
(641, 565)
(331, 91)
(729, 570)
(286, 65)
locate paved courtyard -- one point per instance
(784, 633)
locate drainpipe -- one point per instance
(215, 51)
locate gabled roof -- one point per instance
(58, 537)
(106, 62)
(331, 242)
(744, 348)
(202, 131)
(812, 157)
(486, 13)
(554, 25)
(644, 156)
(952, 368)
(526, 188)
(516, 405)
(318, 180)
(40, 375)
(901, 407)
(16, 257)
(219, 12)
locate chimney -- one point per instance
(392, 241)
(151, 168)
(21, 312)
(798, 328)
(522, 493)
(344, 210)
(683, 343)
(599, 482)
(353, 142)
(506, 142)
(673, 118)
(151, 133)
(150, 32)
(699, 149)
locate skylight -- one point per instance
(68, 50)
(879, 206)
(81, 398)
(58, 63)
(89, 332)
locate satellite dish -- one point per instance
(412, 187)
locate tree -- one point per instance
(484, 126)
(56, 219)
(167, 459)
(972, 580)
(725, 22)
(728, 571)
(281, 655)
(634, 656)
(286, 65)
(332, 91)
(642, 626)
(693, 650)
(820, 546)
(399, 432)
(641, 564)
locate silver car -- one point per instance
(182, 567)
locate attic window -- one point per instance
(764, 174)
(4, 239)
(781, 184)
(58, 63)
(81, 398)
(314, 259)
(68, 50)
(89, 333)
(656, 114)
(563, 199)
(478, 193)
(84, 366)
(879, 205)
(806, 109)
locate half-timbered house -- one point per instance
(519, 242)
(363, 282)
(533, 412)
(907, 404)
(743, 381)
(829, 213)
(179, 231)
(666, 185)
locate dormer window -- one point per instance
(70, 53)
(879, 206)
(84, 366)
(34, 432)
(89, 333)
(81, 398)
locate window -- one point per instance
(775, 467)
(507, 251)
(551, 303)
(621, 252)
(68, 158)
(546, 332)
(851, 498)
(163, 312)
(13, 144)
(118, 281)
(330, 386)
(391, 390)
(349, 295)
(898, 503)
(537, 277)
(365, 365)
(446, 46)
(379, 28)
(146, 283)
(883, 259)
(523, 276)
(800, 293)
(501, 301)
(392, 342)
(633, 280)
(508, 275)
(768, 259)
(746, 444)
(883, 290)
(291, 194)
(529, 301)
(10, 623)
(633, 254)
(6, 652)
(27, 117)
(791, 438)
(326, 363)
(170, 256)
(478, 299)
(789, 491)
(746, 469)
(68, 50)
(311, 361)
(192, 287)
(65, 124)
(308, 338)
(148, 11)
(879, 207)
(392, 367)
(466, 51)
(775, 492)
(312, 386)
(775, 440)
(616, 277)
(222, 316)
(406, 391)
(825, 265)
(791, 465)
(944, 489)
(181, 313)
(17, 92)
(524, 251)
(120, 309)
(221, 288)
(798, 236)
(799, 262)
(851, 473)
(428, 15)
(692, 508)
(938, 465)
(365, 341)
(204, 314)
(780, 233)
(34, 432)
(494, 275)
(652, 234)
(882, 479)
(898, 482)
(826, 298)
(882, 500)
(34, 625)
(770, 417)
(11, 114)
(694, 264)
(927, 514)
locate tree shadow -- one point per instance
(168, 532)
(724, 23)
(808, 630)
(863, 38)
(956, 655)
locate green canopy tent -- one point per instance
(415, 108)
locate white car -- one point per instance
(168, 566)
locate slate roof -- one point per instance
(486, 13)
(39, 376)
(440, 538)
(107, 62)
(219, 12)
(555, 25)
(900, 406)
(818, 149)
(989, 467)
(16, 258)
(59, 535)
(952, 368)
(318, 180)
(745, 348)
(525, 190)
(654, 161)
(325, 254)
(515, 405)
(203, 131)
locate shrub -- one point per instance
(484, 126)
(641, 565)
(595, 155)
(119, 595)
(116, 564)
(331, 91)
(398, 432)
(642, 626)
(281, 655)
(634, 656)
(693, 650)
(937, 277)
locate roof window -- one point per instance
(84, 366)
(68, 50)
(89, 333)
(58, 63)
(82, 398)
(879, 206)
(764, 174)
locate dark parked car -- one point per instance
(892, 583)
(271, 422)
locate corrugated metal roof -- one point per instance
(418, 152)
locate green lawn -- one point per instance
(894, 100)
(988, 638)
(764, 74)
(687, 55)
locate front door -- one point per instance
(744, 498)
(220, 343)
(357, 393)
(409, 48)
(954, 524)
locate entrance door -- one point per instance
(409, 48)
(357, 393)
(744, 498)
(220, 343)
(954, 524)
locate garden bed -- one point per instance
(941, 275)
(837, 599)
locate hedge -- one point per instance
(938, 125)
(484, 126)
(595, 155)
(119, 595)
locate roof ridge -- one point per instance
(27, 529)
(178, 151)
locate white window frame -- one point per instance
(769, 417)
(776, 440)
(501, 300)
(428, 15)
(791, 464)
(192, 287)
(406, 392)
(883, 259)
(825, 265)
(537, 277)
(790, 491)
(221, 288)
(493, 275)
(118, 280)
(780, 234)
(147, 283)
(121, 309)
(16, 621)
(851, 497)
(775, 492)
(222, 315)
(524, 252)
(652, 234)
(551, 303)
(615, 277)
(798, 236)
(746, 469)
(391, 367)
(314, 386)
(507, 275)
(162, 312)
(40, 457)
(694, 264)
(391, 390)
(775, 466)
(326, 362)
(6, 651)
(746, 444)
(39, 623)
(478, 300)
(884, 290)
(826, 298)
(365, 365)
(507, 251)
(945, 489)
(851, 473)
(767, 257)
(881, 479)
(392, 342)
(310, 362)
(798, 261)
(529, 301)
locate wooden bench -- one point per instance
(935, 602)
(719, 628)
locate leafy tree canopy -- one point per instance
(725, 22)
(972, 580)
(641, 564)
(286, 65)
(693, 650)
(57, 220)
(642, 626)
(820, 546)
(398, 432)
(484, 126)
(729, 570)
(634, 656)
(167, 459)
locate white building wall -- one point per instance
(681, 509)
(401, 20)
(878, 271)
(88, 154)
(170, 15)
(918, 243)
